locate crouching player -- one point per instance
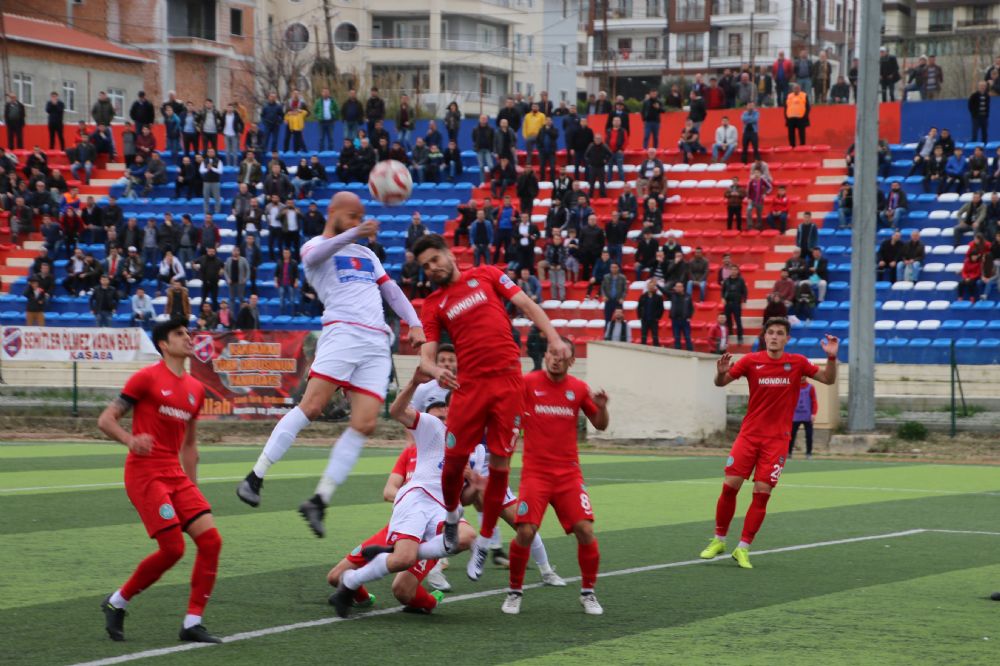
(410, 543)
(551, 473)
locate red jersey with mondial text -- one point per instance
(774, 392)
(550, 423)
(471, 310)
(163, 406)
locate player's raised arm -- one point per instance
(401, 305)
(314, 255)
(400, 409)
(600, 418)
(536, 314)
(189, 452)
(722, 368)
(140, 444)
(828, 373)
(428, 365)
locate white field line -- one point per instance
(817, 486)
(121, 484)
(284, 628)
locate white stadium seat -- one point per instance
(915, 306)
(902, 285)
(907, 325)
(929, 325)
(925, 285)
(884, 325)
(937, 306)
(893, 305)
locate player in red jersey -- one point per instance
(774, 378)
(469, 306)
(551, 473)
(161, 477)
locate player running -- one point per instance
(762, 444)
(353, 351)
(551, 473)
(161, 479)
(411, 536)
(489, 399)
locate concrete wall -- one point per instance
(558, 31)
(656, 394)
(945, 113)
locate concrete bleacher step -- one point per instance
(821, 198)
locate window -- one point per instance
(345, 36)
(517, 86)
(487, 35)
(840, 17)
(652, 46)
(941, 20)
(486, 85)
(622, 9)
(236, 22)
(565, 8)
(565, 52)
(69, 95)
(581, 55)
(531, 45)
(563, 95)
(980, 14)
(530, 89)
(517, 42)
(830, 12)
(761, 43)
(24, 88)
(691, 47)
(624, 45)
(735, 45)
(296, 37)
(117, 97)
(735, 6)
(654, 8)
(690, 10)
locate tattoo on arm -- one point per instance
(121, 406)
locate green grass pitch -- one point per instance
(857, 563)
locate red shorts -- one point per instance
(565, 492)
(381, 538)
(493, 405)
(764, 457)
(165, 500)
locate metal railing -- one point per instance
(475, 47)
(733, 7)
(401, 43)
(690, 55)
(624, 57)
(979, 23)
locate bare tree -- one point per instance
(279, 70)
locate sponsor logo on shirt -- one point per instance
(774, 381)
(554, 410)
(788, 367)
(354, 269)
(471, 301)
(507, 282)
(570, 396)
(167, 410)
(473, 283)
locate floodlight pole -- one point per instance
(861, 352)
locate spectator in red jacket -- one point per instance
(781, 71)
(971, 277)
(715, 97)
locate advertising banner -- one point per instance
(113, 345)
(252, 374)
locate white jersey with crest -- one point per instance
(348, 285)
(429, 435)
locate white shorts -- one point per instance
(415, 515)
(354, 357)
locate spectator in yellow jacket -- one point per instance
(296, 121)
(532, 125)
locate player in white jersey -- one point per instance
(418, 509)
(431, 392)
(352, 352)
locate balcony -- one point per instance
(690, 55)
(727, 56)
(737, 13)
(423, 43)
(940, 27)
(631, 61)
(472, 46)
(976, 24)
(199, 46)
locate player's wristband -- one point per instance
(831, 358)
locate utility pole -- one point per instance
(752, 13)
(328, 20)
(861, 354)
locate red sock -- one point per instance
(724, 509)
(361, 595)
(206, 566)
(755, 516)
(452, 480)
(423, 599)
(518, 563)
(496, 491)
(171, 542)
(589, 558)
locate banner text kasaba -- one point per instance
(251, 374)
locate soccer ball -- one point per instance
(390, 182)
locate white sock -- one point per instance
(721, 537)
(432, 549)
(495, 539)
(191, 621)
(482, 542)
(743, 544)
(343, 456)
(377, 568)
(281, 439)
(539, 555)
(118, 601)
(453, 516)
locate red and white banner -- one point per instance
(36, 343)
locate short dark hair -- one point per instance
(429, 242)
(779, 321)
(162, 331)
(446, 347)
